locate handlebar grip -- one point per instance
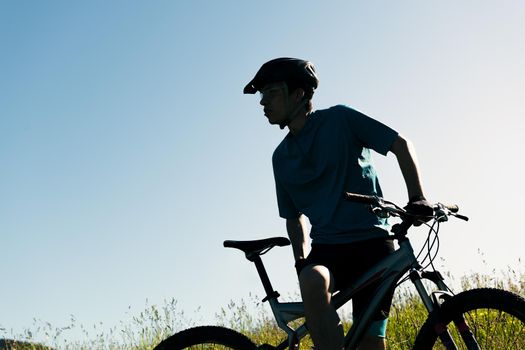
(360, 198)
(462, 217)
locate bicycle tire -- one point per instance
(495, 317)
(207, 337)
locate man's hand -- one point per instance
(419, 206)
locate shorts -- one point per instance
(347, 262)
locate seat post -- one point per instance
(270, 293)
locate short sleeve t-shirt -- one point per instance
(329, 156)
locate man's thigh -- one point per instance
(346, 262)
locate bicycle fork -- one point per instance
(433, 305)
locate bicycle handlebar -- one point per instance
(379, 204)
(361, 198)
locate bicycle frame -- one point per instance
(388, 271)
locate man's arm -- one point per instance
(407, 159)
(296, 229)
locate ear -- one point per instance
(299, 94)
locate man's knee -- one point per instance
(315, 279)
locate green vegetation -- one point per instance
(252, 318)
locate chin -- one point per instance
(274, 121)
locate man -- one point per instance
(327, 153)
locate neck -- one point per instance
(298, 122)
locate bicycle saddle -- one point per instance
(259, 246)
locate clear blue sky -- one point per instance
(128, 152)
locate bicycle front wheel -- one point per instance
(207, 337)
(487, 319)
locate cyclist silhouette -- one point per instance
(325, 153)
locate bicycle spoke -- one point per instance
(492, 329)
(209, 347)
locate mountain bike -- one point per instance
(482, 318)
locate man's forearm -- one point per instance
(407, 159)
(297, 232)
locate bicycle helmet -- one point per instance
(296, 73)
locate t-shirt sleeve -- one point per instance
(287, 209)
(370, 132)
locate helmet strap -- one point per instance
(291, 113)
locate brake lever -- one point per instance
(444, 211)
(441, 214)
(380, 212)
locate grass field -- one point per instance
(251, 318)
